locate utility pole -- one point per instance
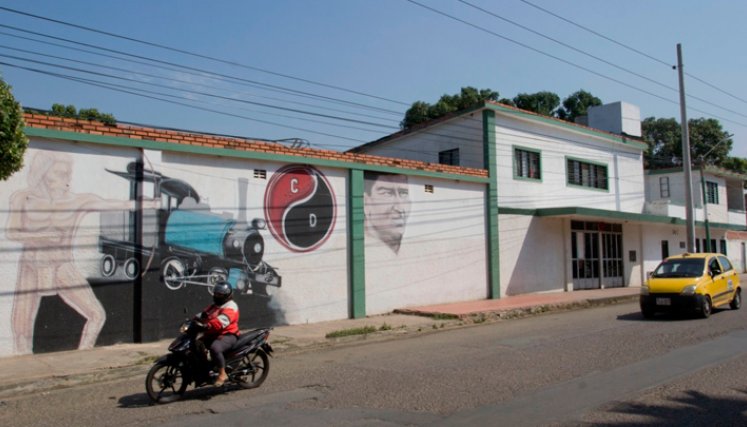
(689, 214)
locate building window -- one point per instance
(449, 157)
(586, 174)
(260, 173)
(664, 187)
(712, 192)
(527, 164)
(664, 249)
(428, 188)
(723, 246)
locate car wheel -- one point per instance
(736, 302)
(705, 307)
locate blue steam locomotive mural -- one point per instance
(189, 243)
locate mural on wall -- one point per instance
(44, 218)
(300, 207)
(192, 245)
(387, 205)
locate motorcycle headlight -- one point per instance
(688, 290)
(183, 329)
(644, 290)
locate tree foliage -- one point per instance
(13, 142)
(85, 113)
(577, 104)
(709, 142)
(469, 96)
(543, 102)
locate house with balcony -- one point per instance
(574, 207)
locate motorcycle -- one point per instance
(247, 363)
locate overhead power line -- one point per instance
(595, 57)
(557, 58)
(198, 55)
(235, 78)
(632, 49)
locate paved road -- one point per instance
(597, 366)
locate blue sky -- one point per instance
(393, 50)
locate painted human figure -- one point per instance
(386, 202)
(44, 217)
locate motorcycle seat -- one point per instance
(245, 338)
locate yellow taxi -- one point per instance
(691, 282)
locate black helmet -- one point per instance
(222, 293)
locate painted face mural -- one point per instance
(300, 207)
(386, 202)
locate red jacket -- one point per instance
(221, 319)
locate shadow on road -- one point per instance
(694, 408)
(636, 316)
(141, 400)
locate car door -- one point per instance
(730, 276)
(718, 287)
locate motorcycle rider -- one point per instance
(220, 321)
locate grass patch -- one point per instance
(385, 327)
(444, 316)
(351, 331)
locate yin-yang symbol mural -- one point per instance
(300, 207)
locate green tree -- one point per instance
(736, 164)
(709, 142)
(13, 142)
(543, 102)
(577, 104)
(85, 113)
(421, 111)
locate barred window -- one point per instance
(527, 164)
(712, 192)
(586, 174)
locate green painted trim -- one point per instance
(225, 152)
(491, 204)
(356, 245)
(517, 211)
(513, 163)
(567, 125)
(617, 215)
(590, 162)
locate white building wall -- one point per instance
(675, 204)
(464, 133)
(624, 169)
(442, 257)
(633, 270)
(532, 254)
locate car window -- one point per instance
(714, 267)
(680, 267)
(725, 263)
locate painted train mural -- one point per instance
(193, 245)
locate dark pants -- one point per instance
(218, 346)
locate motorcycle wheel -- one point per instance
(165, 382)
(252, 370)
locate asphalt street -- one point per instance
(599, 366)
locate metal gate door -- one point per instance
(612, 262)
(589, 269)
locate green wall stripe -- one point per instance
(226, 152)
(356, 244)
(491, 203)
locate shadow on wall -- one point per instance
(539, 264)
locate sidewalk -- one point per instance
(49, 371)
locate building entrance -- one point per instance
(596, 255)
